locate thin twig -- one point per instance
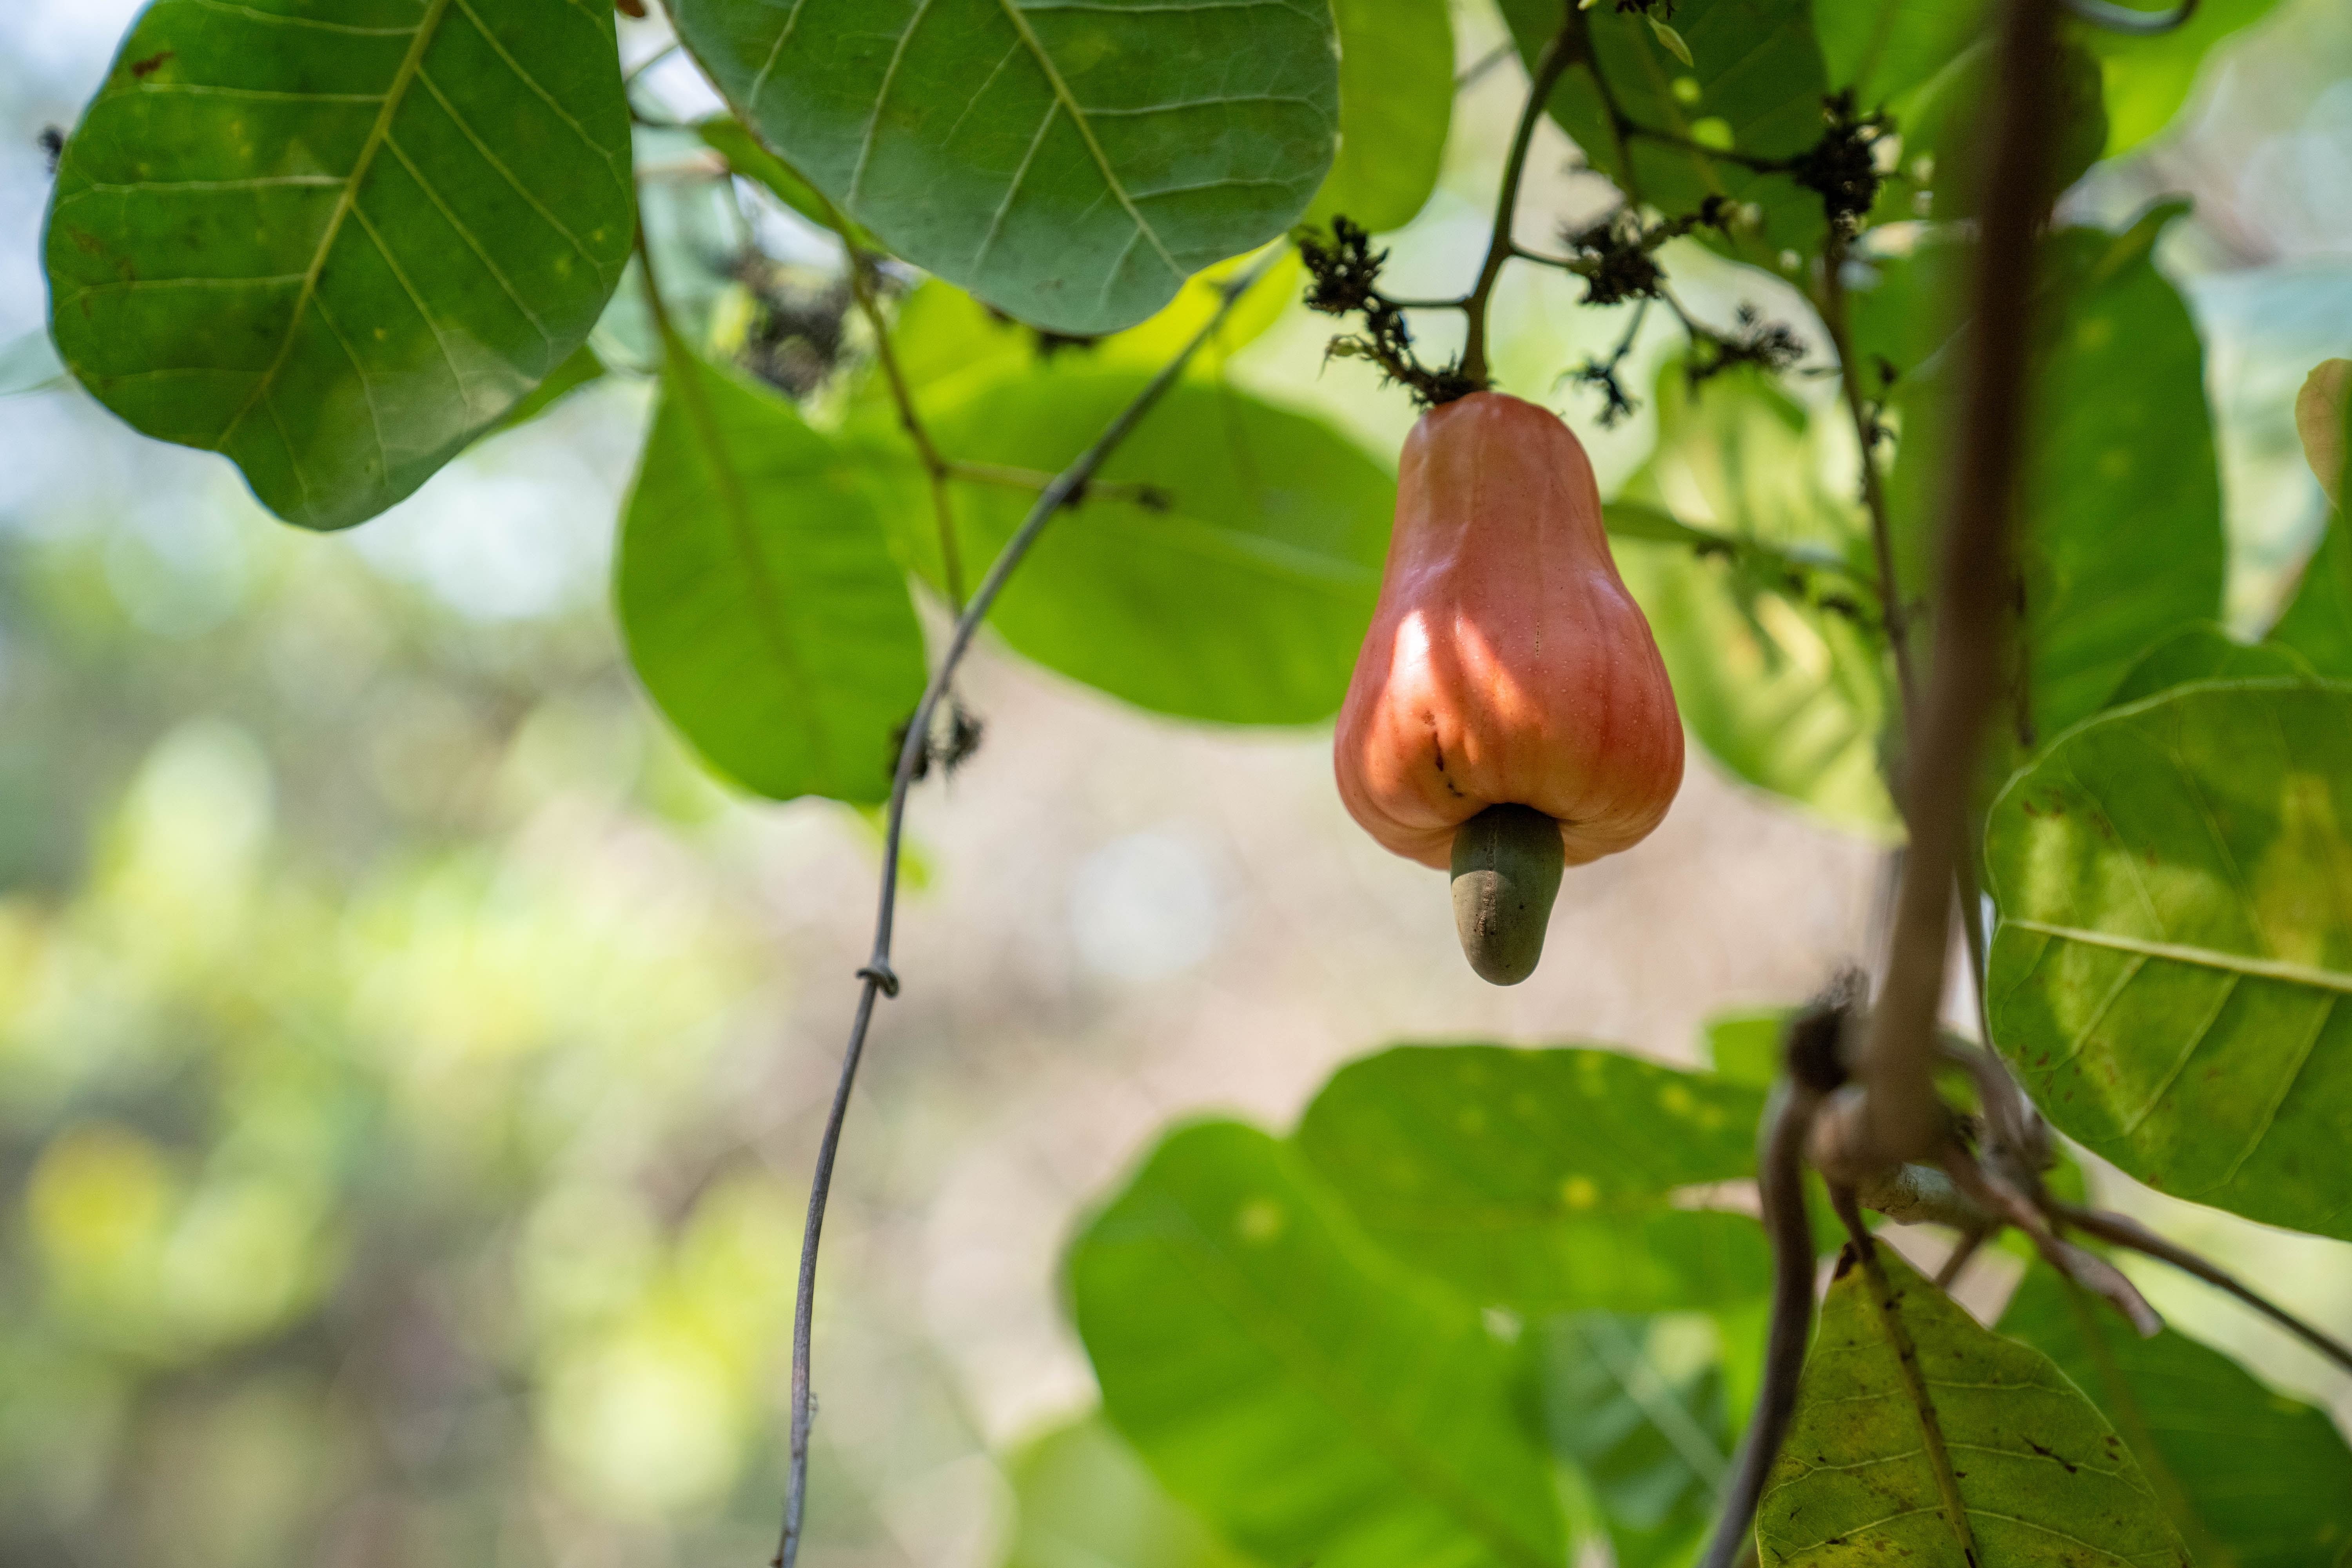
(1761, 165)
(1555, 58)
(1470, 73)
(1896, 1115)
(878, 977)
(2086, 1268)
(1004, 477)
(935, 468)
(1866, 434)
(1780, 1181)
(1962, 1251)
(2126, 1232)
(651, 60)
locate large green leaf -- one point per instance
(2171, 969)
(756, 589)
(1396, 102)
(1085, 1501)
(337, 239)
(1638, 1407)
(1542, 1179)
(1784, 682)
(1070, 163)
(2147, 80)
(2122, 542)
(1754, 84)
(1884, 49)
(1238, 591)
(2251, 1479)
(2203, 651)
(2042, 1477)
(1312, 1400)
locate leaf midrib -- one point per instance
(1069, 103)
(2202, 957)
(684, 371)
(428, 28)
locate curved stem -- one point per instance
(1873, 485)
(878, 979)
(1782, 1182)
(1555, 59)
(935, 468)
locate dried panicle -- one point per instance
(1344, 280)
(1841, 168)
(1773, 346)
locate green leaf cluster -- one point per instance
(1426, 1327)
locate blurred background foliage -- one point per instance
(408, 1059)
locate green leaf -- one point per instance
(1745, 1047)
(1884, 49)
(757, 593)
(1638, 1405)
(2171, 968)
(2251, 1479)
(2323, 423)
(2205, 652)
(1310, 1398)
(1672, 41)
(1071, 165)
(2122, 542)
(1542, 1179)
(1396, 103)
(1085, 1501)
(2042, 1476)
(2147, 80)
(1756, 85)
(577, 371)
(1782, 683)
(1901, 309)
(1244, 599)
(338, 241)
(2317, 624)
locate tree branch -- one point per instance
(2126, 1232)
(878, 976)
(1895, 1115)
